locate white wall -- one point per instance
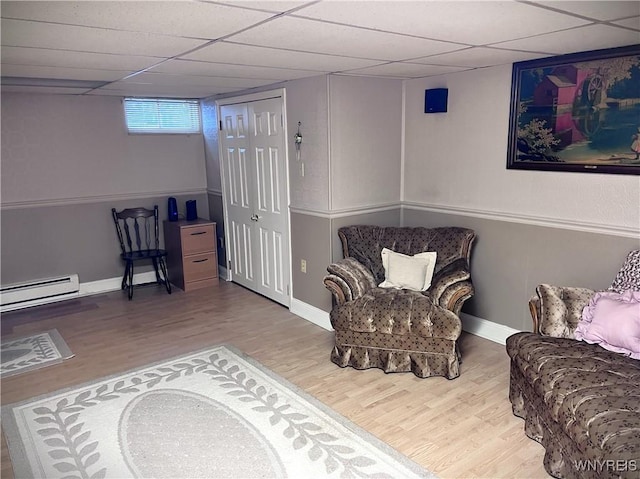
(210, 129)
(458, 160)
(66, 161)
(307, 103)
(59, 147)
(366, 141)
(352, 141)
(351, 151)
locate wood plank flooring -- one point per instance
(460, 428)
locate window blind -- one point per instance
(158, 115)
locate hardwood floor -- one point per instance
(461, 428)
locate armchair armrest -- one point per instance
(451, 286)
(534, 309)
(556, 310)
(348, 279)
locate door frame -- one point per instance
(248, 98)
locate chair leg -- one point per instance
(130, 292)
(167, 284)
(155, 268)
(125, 276)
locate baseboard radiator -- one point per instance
(33, 293)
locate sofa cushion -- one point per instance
(396, 312)
(561, 309)
(612, 320)
(410, 272)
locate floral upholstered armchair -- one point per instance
(397, 294)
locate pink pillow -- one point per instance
(612, 320)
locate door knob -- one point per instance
(254, 217)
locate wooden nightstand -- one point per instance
(192, 260)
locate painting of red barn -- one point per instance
(578, 112)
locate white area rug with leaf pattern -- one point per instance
(19, 355)
(215, 413)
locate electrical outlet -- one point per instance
(303, 265)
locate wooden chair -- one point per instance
(140, 242)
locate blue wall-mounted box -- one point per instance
(435, 100)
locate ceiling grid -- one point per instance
(198, 49)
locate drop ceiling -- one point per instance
(197, 49)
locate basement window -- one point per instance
(160, 115)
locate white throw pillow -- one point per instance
(408, 272)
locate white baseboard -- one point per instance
(85, 289)
(312, 314)
(498, 333)
(114, 284)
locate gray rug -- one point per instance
(19, 355)
(214, 413)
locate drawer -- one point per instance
(204, 283)
(199, 266)
(197, 239)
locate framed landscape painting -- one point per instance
(577, 112)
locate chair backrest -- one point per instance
(365, 243)
(141, 230)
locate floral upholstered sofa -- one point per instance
(397, 298)
(581, 398)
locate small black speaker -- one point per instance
(192, 211)
(435, 100)
(173, 209)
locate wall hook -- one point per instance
(297, 139)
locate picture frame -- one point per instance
(577, 113)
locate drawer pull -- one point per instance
(200, 260)
(199, 233)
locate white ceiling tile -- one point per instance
(225, 52)
(108, 40)
(276, 6)
(607, 10)
(178, 18)
(20, 33)
(581, 39)
(42, 89)
(141, 89)
(468, 22)
(478, 57)
(319, 37)
(192, 80)
(406, 70)
(71, 59)
(28, 71)
(191, 67)
(633, 22)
